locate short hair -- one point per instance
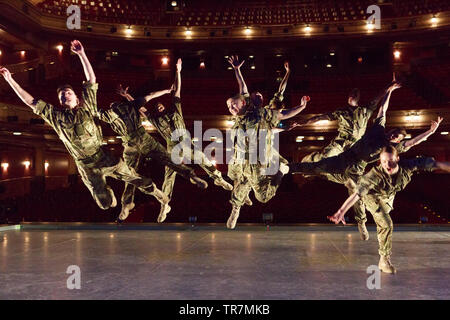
(238, 97)
(390, 149)
(64, 87)
(355, 93)
(397, 131)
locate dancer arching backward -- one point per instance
(125, 120)
(352, 123)
(83, 139)
(166, 121)
(258, 123)
(351, 174)
(234, 169)
(378, 188)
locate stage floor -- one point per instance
(209, 262)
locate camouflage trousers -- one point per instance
(146, 146)
(337, 167)
(94, 176)
(170, 173)
(235, 172)
(385, 226)
(335, 147)
(251, 179)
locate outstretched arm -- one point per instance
(340, 214)
(375, 101)
(21, 93)
(443, 165)
(289, 113)
(177, 83)
(78, 49)
(385, 105)
(422, 137)
(157, 94)
(283, 83)
(236, 64)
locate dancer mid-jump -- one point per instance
(166, 121)
(378, 188)
(76, 128)
(259, 122)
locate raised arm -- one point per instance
(177, 83)
(124, 93)
(283, 83)
(236, 64)
(78, 49)
(340, 214)
(375, 101)
(422, 137)
(289, 113)
(21, 93)
(385, 105)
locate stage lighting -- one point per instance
(0, 52)
(320, 138)
(248, 31)
(308, 29)
(22, 54)
(413, 117)
(332, 53)
(26, 164)
(370, 26)
(188, 32)
(60, 48)
(173, 4)
(444, 133)
(17, 133)
(128, 31)
(5, 166)
(397, 54)
(165, 61)
(299, 138)
(434, 21)
(46, 165)
(329, 65)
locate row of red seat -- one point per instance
(207, 13)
